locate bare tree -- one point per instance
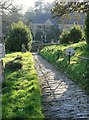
(10, 13)
(7, 6)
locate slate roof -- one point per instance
(41, 18)
(74, 20)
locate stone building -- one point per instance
(43, 22)
(71, 19)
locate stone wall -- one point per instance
(37, 45)
(1, 71)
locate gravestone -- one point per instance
(2, 50)
(2, 54)
(70, 51)
(1, 71)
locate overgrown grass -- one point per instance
(21, 92)
(77, 67)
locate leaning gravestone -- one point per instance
(2, 54)
(1, 77)
(70, 51)
(2, 50)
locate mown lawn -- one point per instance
(21, 92)
(77, 69)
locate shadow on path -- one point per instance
(62, 99)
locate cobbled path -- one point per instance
(62, 99)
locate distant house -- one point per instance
(43, 22)
(74, 18)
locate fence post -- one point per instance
(69, 57)
(58, 54)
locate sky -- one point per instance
(27, 3)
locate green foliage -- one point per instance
(50, 36)
(73, 36)
(21, 94)
(18, 34)
(64, 38)
(78, 69)
(76, 34)
(39, 36)
(63, 8)
(87, 28)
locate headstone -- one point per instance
(70, 51)
(2, 54)
(2, 50)
(1, 71)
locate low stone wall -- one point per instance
(37, 45)
(1, 71)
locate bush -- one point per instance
(39, 36)
(76, 34)
(50, 36)
(64, 38)
(73, 36)
(18, 34)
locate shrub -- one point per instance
(73, 36)
(64, 38)
(76, 34)
(50, 36)
(39, 36)
(18, 34)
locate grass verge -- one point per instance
(21, 92)
(77, 69)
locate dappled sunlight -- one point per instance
(76, 69)
(21, 95)
(60, 94)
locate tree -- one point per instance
(50, 36)
(7, 6)
(10, 13)
(18, 34)
(64, 38)
(39, 36)
(8, 19)
(56, 32)
(76, 34)
(29, 14)
(63, 8)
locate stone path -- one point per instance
(62, 99)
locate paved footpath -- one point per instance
(62, 99)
